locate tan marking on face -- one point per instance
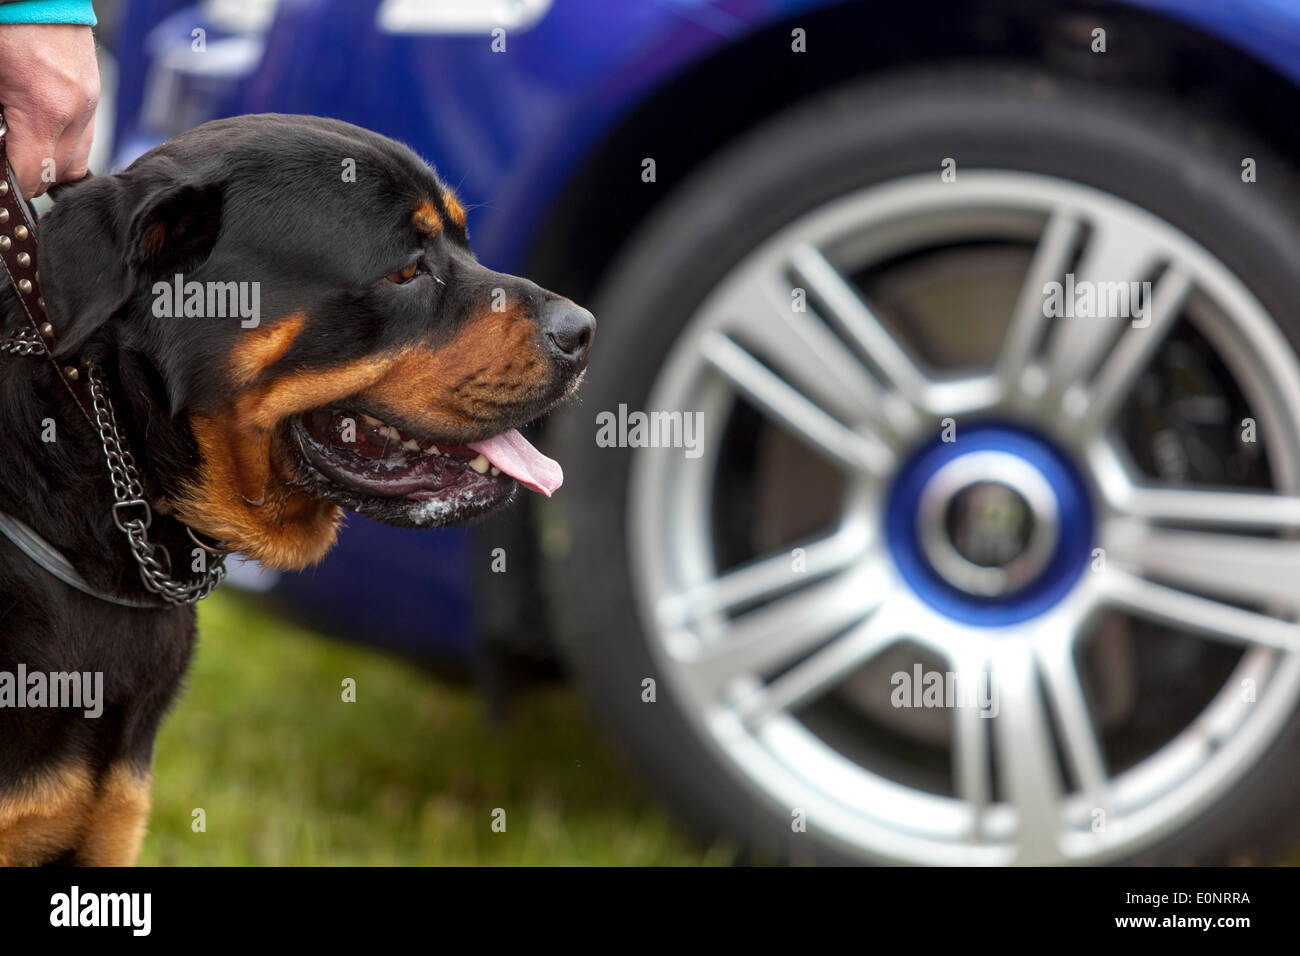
(497, 352)
(494, 361)
(242, 494)
(259, 350)
(44, 817)
(454, 208)
(427, 219)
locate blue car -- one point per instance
(934, 490)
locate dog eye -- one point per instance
(404, 276)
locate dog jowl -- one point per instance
(281, 342)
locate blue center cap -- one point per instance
(993, 528)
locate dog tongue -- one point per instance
(511, 452)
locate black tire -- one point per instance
(1184, 168)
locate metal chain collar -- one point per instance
(128, 493)
(132, 514)
(24, 341)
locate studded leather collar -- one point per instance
(18, 255)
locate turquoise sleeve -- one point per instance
(48, 11)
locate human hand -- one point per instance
(49, 87)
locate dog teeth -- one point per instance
(496, 470)
(389, 432)
(480, 464)
(370, 419)
(411, 444)
(431, 450)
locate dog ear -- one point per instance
(100, 243)
(177, 230)
(83, 277)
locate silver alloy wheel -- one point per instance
(1194, 559)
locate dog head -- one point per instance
(297, 299)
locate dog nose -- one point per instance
(569, 328)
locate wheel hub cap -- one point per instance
(992, 528)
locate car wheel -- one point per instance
(965, 565)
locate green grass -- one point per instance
(289, 774)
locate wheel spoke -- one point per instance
(845, 308)
(1132, 353)
(1114, 256)
(827, 666)
(1200, 615)
(1227, 509)
(805, 352)
(789, 408)
(763, 579)
(1026, 758)
(1238, 567)
(970, 747)
(765, 639)
(1082, 746)
(1051, 259)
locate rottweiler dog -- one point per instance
(372, 365)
